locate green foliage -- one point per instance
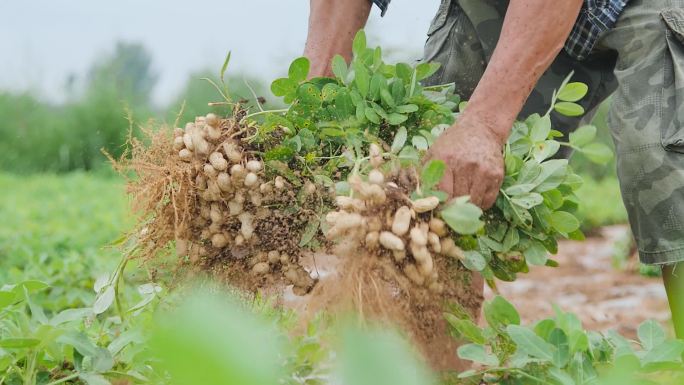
(330, 120)
(601, 203)
(537, 203)
(367, 101)
(558, 350)
(39, 136)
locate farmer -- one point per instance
(506, 58)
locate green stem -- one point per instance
(674, 287)
(30, 375)
(64, 379)
(264, 112)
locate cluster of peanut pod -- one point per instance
(233, 194)
(379, 216)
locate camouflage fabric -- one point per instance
(642, 60)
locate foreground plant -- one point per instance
(558, 350)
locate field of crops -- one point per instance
(68, 221)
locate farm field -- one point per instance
(69, 220)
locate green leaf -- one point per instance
(387, 98)
(569, 109)
(359, 44)
(432, 174)
(650, 334)
(425, 70)
(511, 239)
(536, 254)
(309, 233)
(473, 260)
(196, 347)
(462, 216)
(579, 342)
(583, 135)
(409, 155)
(309, 94)
(281, 153)
(573, 92)
(528, 200)
(407, 108)
(372, 116)
(283, 87)
(404, 72)
(499, 313)
(329, 92)
(104, 300)
(224, 67)
(379, 358)
(558, 339)
(18, 343)
(466, 328)
(70, 315)
(299, 69)
(544, 150)
(396, 119)
(597, 153)
(399, 140)
(339, 67)
(530, 343)
(361, 78)
(553, 173)
(668, 351)
(562, 377)
(541, 129)
(419, 142)
(564, 222)
(7, 298)
(93, 379)
(477, 353)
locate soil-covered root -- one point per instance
(398, 262)
(207, 189)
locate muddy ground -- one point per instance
(586, 283)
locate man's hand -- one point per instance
(332, 27)
(472, 148)
(474, 161)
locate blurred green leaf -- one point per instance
(583, 135)
(380, 358)
(477, 353)
(531, 343)
(210, 341)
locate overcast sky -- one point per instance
(43, 41)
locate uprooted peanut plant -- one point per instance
(253, 191)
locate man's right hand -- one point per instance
(332, 27)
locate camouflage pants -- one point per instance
(640, 61)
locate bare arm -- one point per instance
(332, 26)
(533, 33)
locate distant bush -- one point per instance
(105, 106)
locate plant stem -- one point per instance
(64, 379)
(265, 112)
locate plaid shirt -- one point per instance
(595, 18)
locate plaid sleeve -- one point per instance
(382, 4)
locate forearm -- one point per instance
(332, 26)
(533, 33)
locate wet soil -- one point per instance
(587, 284)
